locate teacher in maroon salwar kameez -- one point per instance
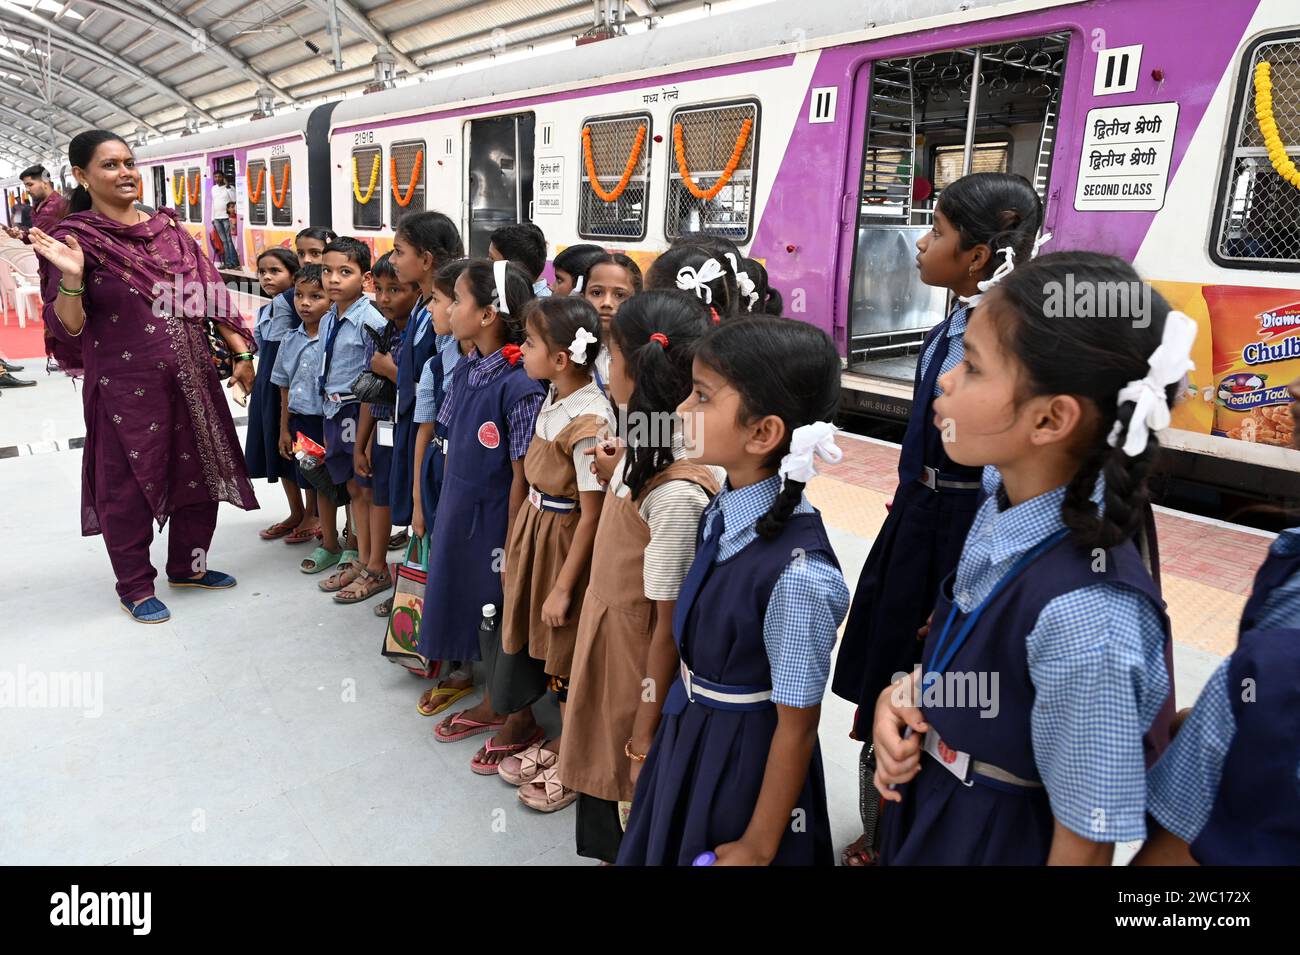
(160, 442)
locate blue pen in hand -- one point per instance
(705, 858)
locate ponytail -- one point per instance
(80, 200)
(782, 509)
(81, 150)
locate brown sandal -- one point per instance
(370, 585)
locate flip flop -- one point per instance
(320, 559)
(547, 793)
(371, 585)
(526, 766)
(301, 536)
(335, 582)
(473, 728)
(450, 695)
(481, 768)
(385, 608)
(276, 531)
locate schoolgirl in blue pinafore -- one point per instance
(262, 443)
(433, 381)
(419, 346)
(703, 775)
(1023, 768)
(468, 537)
(1229, 784)
(918, 545)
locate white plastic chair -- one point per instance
(9, 294)
(28, 289)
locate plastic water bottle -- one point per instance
(489, 621)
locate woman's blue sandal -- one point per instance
(211, 580)
(149, 610)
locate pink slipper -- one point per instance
(472, 728)
(526, 766)
(546, 793)
(490, 769)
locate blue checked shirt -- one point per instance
(808, 601)
(1182, 786)
(1096, 660)
(446, 354)
(349, 349)
(520, 419)
(297, 367)
(956, 346)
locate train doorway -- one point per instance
(500, 185)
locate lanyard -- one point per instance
(937, 665)
(329, 349)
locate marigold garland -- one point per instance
(255, 194)
(278, 201)
(178, 194)
(356, 183)
(1268, 125)
(632, 160)
(192, 192)
(706, 194)
(404, 200)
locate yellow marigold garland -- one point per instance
(632, 160)
(405, 200)
(356, 183)
(255, 194)
(745, 128)
(1268, 125)
(278, 201)
(178, 194)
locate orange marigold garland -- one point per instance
(192, 191)
(405, 200)
(745, 128)
(255, 194)
(278, 201)
(632, 160)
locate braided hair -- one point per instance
(723, 289)
(480, 276)
(997, 209)
(660, 374)
(778, 367)
(1092, 359)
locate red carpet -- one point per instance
(19, 343)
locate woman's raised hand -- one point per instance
(66, 255)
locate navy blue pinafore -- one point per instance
(434, 461)
(410, 363)
(262, 442)
(919, 545)
(468, 538)
(989, 819)
(703, 774)
(1255, 819)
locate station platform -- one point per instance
(262, 726)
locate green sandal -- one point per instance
(320, 559)
(348, 560)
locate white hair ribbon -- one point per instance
(743, 282)
(1168, 365)
(806, 443)
(1041, 241)
(499, 273)
(578, 349)
(697, 281)
(577, 286)
(1005, 268)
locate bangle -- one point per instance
(627, 751)
(74, 293)
(243, 356)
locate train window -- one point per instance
(368, 187)
(257, 192)
(986, 157)
(177, 196)
(194, 193)
(279, 188)
(616, 158)
(406, 169)
(711, 174)
(1258, 220)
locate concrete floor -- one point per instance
(261, 725)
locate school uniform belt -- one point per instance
(544, 502)
(935, 481)
(720, 696)
(975, 770)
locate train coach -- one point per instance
(819, 143)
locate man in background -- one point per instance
(48, 210)
(222, 197)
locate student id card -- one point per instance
(384, 434)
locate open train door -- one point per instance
(499, 176)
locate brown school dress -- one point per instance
(538, 546)
(613, 643)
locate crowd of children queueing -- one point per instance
(678, 593)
